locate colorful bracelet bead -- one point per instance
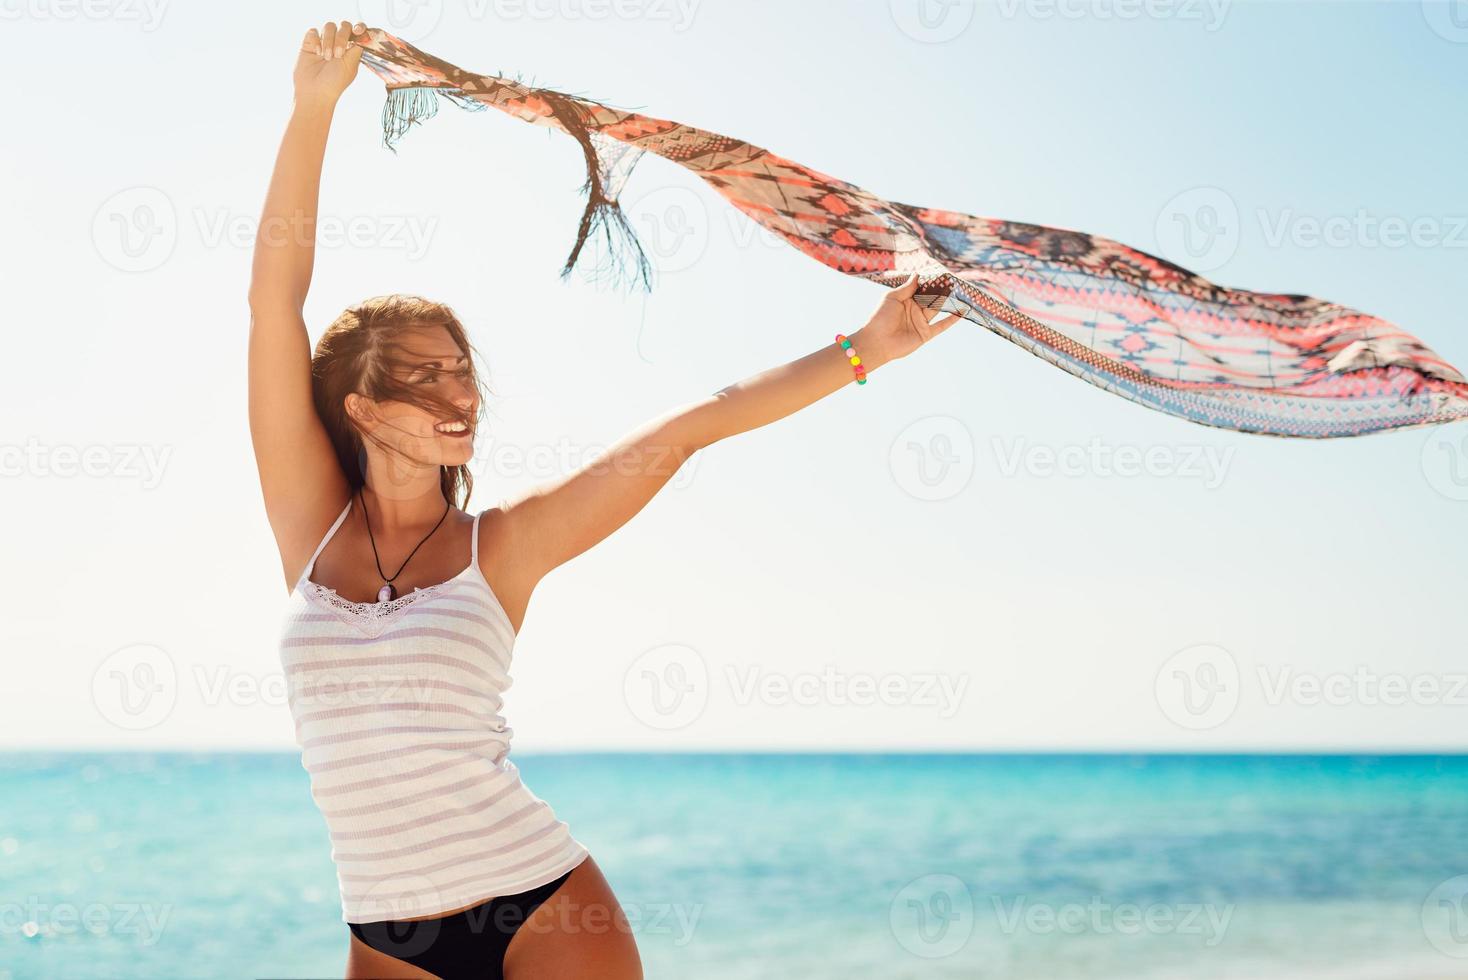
(857, 367)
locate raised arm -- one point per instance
(300, 477)
(555, 522)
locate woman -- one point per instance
(404, 608)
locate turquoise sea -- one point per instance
(810, 866)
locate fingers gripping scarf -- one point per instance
(1128, 322)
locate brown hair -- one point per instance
(363, 352)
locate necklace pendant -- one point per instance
(386, 592)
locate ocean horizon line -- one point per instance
(1427, 752)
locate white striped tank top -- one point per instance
(397, 707)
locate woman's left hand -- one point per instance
(899, 326)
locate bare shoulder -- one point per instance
(513, 581)
(506, 531)
(494, 532)
(304, 529)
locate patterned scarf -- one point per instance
(1128, 322)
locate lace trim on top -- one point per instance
(374, 617)
(370, 610)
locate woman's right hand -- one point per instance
(328, 62)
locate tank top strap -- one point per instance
(474, 542)
(311, 565)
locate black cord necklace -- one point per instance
(388, 591)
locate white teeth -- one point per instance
(451, 427)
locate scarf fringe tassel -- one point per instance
(606, 171)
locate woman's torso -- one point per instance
(397, 712)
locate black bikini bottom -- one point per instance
(467, 943)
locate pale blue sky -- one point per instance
(1046, 604)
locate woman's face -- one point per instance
(435, 365)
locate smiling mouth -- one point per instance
(456, 429)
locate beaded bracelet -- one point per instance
(856, 365)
